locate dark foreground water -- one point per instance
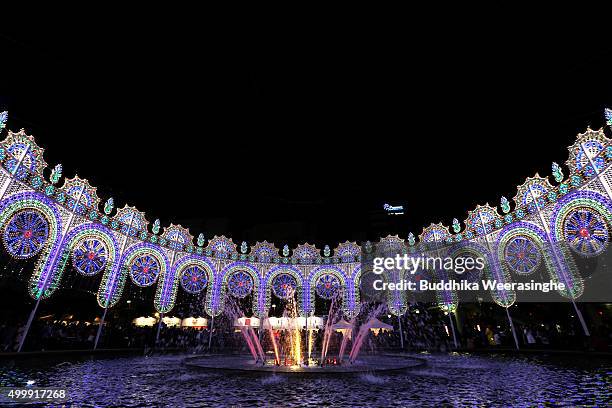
(447, 380)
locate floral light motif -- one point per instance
(25, 234)
(327, 286)
(240, 284)
(557, 172)
(156, 226)
(201, 240)
(607, 114)
(3, 119)
(144, 270)
(411, 239)
(56, 174)
(284, 286)
(586, 232)
(522, 255)
(505, 205)
(90, 256)
(456, 225)
(193, 279)
(108, 206)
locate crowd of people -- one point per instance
(422, 330)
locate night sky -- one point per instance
(303, 137)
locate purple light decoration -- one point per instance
(98, 228)
(113, 281)
(261, 301)
(47, 269)
(216, 293)
(307, 304)
(558, 211)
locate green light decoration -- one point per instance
(557, 172)
(108, 206)
(56, 174)
(156, 226)
(326, 251)
(286, 250)
(607, 114)
(411, 239)
(201, 240)
(456, 225)
(505, 205)
(3, 119)
(243, 247)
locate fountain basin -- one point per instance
(386, 363)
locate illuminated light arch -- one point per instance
(45, 278)
(25, 234)
(146, 257)
(311, 282)
(112, 285)
(436, 234)
(585, 199)
(493, 270)
(219, 291)
(473, 250)
(353, 296)
(556, 270)
(167, 288)
(390, 246)
(89, 231)
(269, 279)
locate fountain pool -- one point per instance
(446, 379)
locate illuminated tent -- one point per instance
(196, 322)
(376, 326)
(247, 322)
(344, 327)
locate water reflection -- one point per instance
(458, 379)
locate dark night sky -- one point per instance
(296, 138)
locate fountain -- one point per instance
(292, 342)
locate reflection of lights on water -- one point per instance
(30, 382)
